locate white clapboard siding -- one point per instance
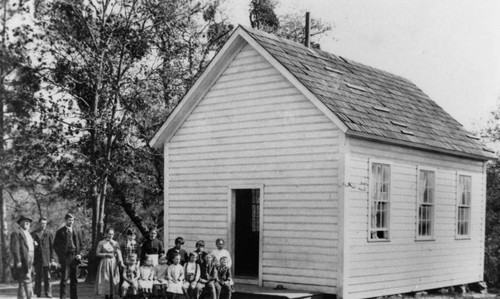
(254, 128)
(404, 263)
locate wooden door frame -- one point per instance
(231, 229)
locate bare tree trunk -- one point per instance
(119, 191)
(97, 230)
(4, 249)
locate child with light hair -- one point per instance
(160, 281)
(146, 277)
(130, 277)
(175, 277)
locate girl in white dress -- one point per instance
(146, 277)
(175, 277)
(161, 282)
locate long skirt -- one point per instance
(175, 287)
(146, 284)
(108, 277)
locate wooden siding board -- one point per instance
(403, 264)
(301, 286)
(273, 137)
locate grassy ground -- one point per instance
(85, 290)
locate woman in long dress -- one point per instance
(108, 272)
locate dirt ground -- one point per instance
(86, 291)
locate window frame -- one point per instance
(457, 206)
(370, 201)
(419, 202)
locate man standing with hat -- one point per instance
(22, 247)
(44, 256)
(68, 246)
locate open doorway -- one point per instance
(246, 212)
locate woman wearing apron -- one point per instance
(108, 274)
(152, 247)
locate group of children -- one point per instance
(199, 275)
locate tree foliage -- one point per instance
(292, 28)
(491, 135)
(109, 73)
(18, 85)
(262, 15)
(289, 26)
(492, 238)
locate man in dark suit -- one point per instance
(22, 247)
(68, 246)
(44, 256)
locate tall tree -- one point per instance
(262, 15)
(111, 71)
(17, 87)
(491, 135)
(116, 70)
(98, 51)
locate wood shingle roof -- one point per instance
(372, 103)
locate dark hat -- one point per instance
(24, 218)
(69, 215)
(179, 240)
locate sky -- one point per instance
(449, 48)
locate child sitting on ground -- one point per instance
(175, 276)
(160, 280)
(224, 279)
(146, 276)
(191, 276)
(130, 276)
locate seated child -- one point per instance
(175, 277)
(208, 278)
(130, 276)
(160, 280)
(146, 276)
(224, 279)
(191, 276)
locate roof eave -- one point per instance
(369, 137)
(238, 39)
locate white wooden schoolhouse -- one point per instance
(323, 174)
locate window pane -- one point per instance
(464, 202)
(255, 210)
(425, 202)
(463, 220)
(379, 201)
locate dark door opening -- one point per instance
(247, 219)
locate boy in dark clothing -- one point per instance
(177, 249)
(224, 279)
(208, 278)
(200, 250)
